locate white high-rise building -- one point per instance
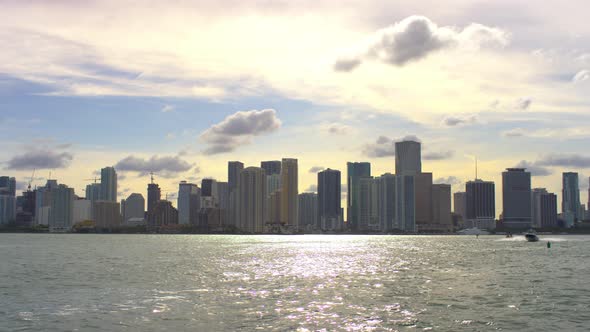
(61, 214)
(186, 202)
(289, 193)
(108, 184)
(368, 211)
(252, 200)
(386, 202)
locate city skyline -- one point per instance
(181, 102)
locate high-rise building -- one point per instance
(233, 173)
(516, 198)
(134, 207)
(108, 184)
(7, 209)
(61, 213)
(536, 194)
(186, 202)
(164, 214)
(460, 204)
(93, 192)
(274, 208)
(329, 200)
(355, 171)
(82, 211)
(588, 205)
(405, 205)
(423, 201)
(154, 195)
(233, 178)
(252, 200)
(408, 158)
(548, 207)
(441, 207)
(308, 210)
(223, 195)
(570, 204)
(43, 202)
(273, 183)
(209, 194)
(386, 202)
(107, 214)
(271, 167)
(368, 208)
(480, 204)
(289, 193)
(7, 186)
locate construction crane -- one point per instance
(95, 179)
(30, 181)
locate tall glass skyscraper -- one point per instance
(329, 199)
(408, 158)
(271, 167)
(480, 204)
(355, 171)
(108, 184)
(289, 193)
(516, 198)
(570, 204)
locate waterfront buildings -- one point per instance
(329, 200)
(271, 167)
(134, 208)
(308, 211)
(516, 198)
(107, 214)
(460, 204)
(570, 204)
(187, 203)
(108, 184)
(61, 212)
(252, 200)
(441, 208)
(386, 202)
(355, 171)
(408, 158)
(289, 193)
(480, 204)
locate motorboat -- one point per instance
(531, 237)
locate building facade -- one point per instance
(108, 184)
(355, 171)
(289, 193)
(480, 204)
(329, 200)
(516, 198)
(252, 200)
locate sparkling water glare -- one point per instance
(53, 282)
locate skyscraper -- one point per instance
(134, 207)
(7, 209)
(61, 213)
(233, 177)
(93, 192)
(107, 214)
(441, 207)
(368, 209)
(408, 158)
(252, 200)
(536, 194)
(154, 196)
(405, 205)
(516, 198)
(570, 203)
(108, 184)
(185, 194)
(7, 185)
(209, 193)
(289, 193)
(423, 200)
(271, 167)
(548, 210)
(329, 200)
(355, 171)
(308, 210)
(460, 204)
(386, 197)
(480, 204)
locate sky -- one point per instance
(181, 87)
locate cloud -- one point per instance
(312, 188)
(523, 103)
(239, 129)
(515, 132)
(167, 108)
(416, 37)
(346, 65)
(452, 180)
(581, 76)
(438, 155)
(565, 160)
(338, 129)
(534, 168)
(166, 166)
(456, 120)
(316, 169)
(39, 159)
(383, 147)
(412, 138)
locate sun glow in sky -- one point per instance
(181, 87)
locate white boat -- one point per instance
(531, 237)
(473, 231)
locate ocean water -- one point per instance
(86, 282)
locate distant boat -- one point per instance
(531, 237)
(473, 231)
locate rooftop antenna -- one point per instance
(49, 178)
(32, 177)
(152, 177)
(475, 168)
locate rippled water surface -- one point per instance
(352, 283)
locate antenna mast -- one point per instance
(475, 168)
